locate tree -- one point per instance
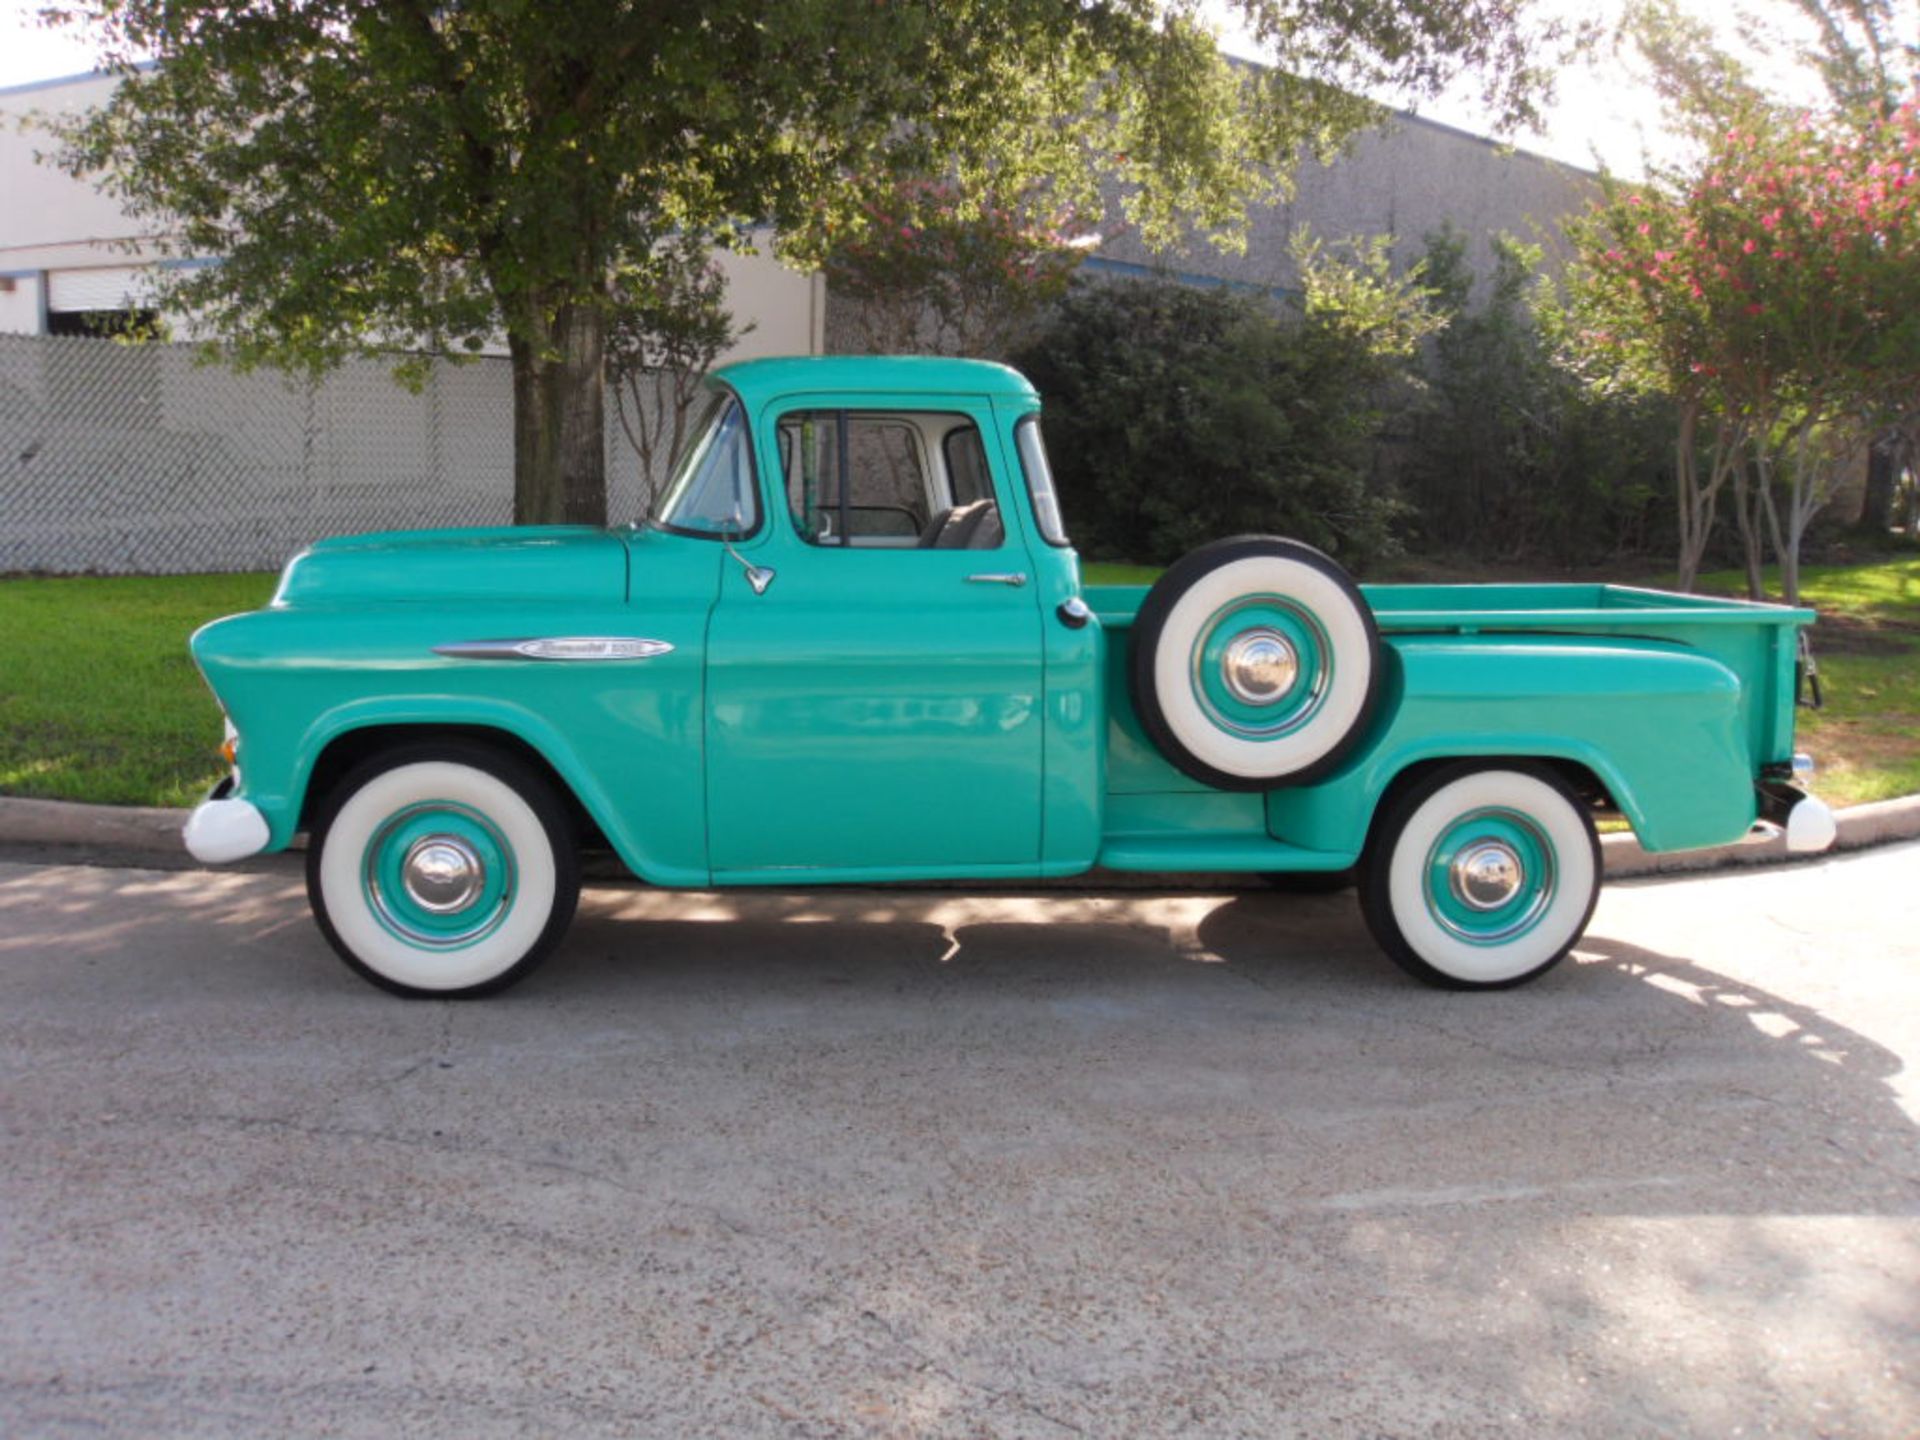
(1859, 51)
(669, 324)
(1516, 452)
(934, 270)
(1648, 339)
(1780, 288)
(1771, 284)
(423, 175)
(1177, 414)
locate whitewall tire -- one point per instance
(1481, 875)
(445, 871)
(1255, 663)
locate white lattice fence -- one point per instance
(123, 459)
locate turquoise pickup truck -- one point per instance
(851, 645)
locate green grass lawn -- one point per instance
(98, 698)
(1866, 740)
(99, 702)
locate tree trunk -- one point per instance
(1686, 489)
(1748, 492)
(1876, 504)
(559, 417)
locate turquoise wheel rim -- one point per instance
(1491, 876)
(1285, 711)
(439, 875)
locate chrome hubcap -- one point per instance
(1487, 875)
(443, 874)
(1260, 666)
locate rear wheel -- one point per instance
(443, 871)
(1481, 876)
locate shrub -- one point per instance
(1514, 455)
(1177, 415)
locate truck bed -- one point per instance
(1467, 609)
(1157, 818)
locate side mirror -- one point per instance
(758, 576)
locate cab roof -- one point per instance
(928, 376)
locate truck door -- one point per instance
(875, 711)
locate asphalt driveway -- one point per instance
(893, 1163)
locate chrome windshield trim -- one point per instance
(557, 647)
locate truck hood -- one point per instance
(505, 562)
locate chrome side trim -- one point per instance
(557, 647)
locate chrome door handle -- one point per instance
(1014, 578)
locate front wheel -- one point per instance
(443, 871)
(1480, 876)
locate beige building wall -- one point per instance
(67, 246)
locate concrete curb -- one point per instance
(152, 829)
(1860, 826)
(145, 836)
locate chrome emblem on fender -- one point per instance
(557, 647)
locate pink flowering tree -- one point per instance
(1774, 290)
(936, 270)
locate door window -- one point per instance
(888, 481)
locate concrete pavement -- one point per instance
(924, 1163)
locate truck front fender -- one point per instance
(624, 738)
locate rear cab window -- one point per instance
(1039, 476)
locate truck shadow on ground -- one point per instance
(1253, 1009)
(1652, 1061)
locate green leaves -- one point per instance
(415, 173)
(1176, 415)
(423, 175)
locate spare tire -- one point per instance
(1255, 663)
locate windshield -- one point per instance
(712, 491)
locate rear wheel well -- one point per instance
(1577, 777)
(345, 751)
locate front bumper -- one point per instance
(1808, 822)
(221, 829)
